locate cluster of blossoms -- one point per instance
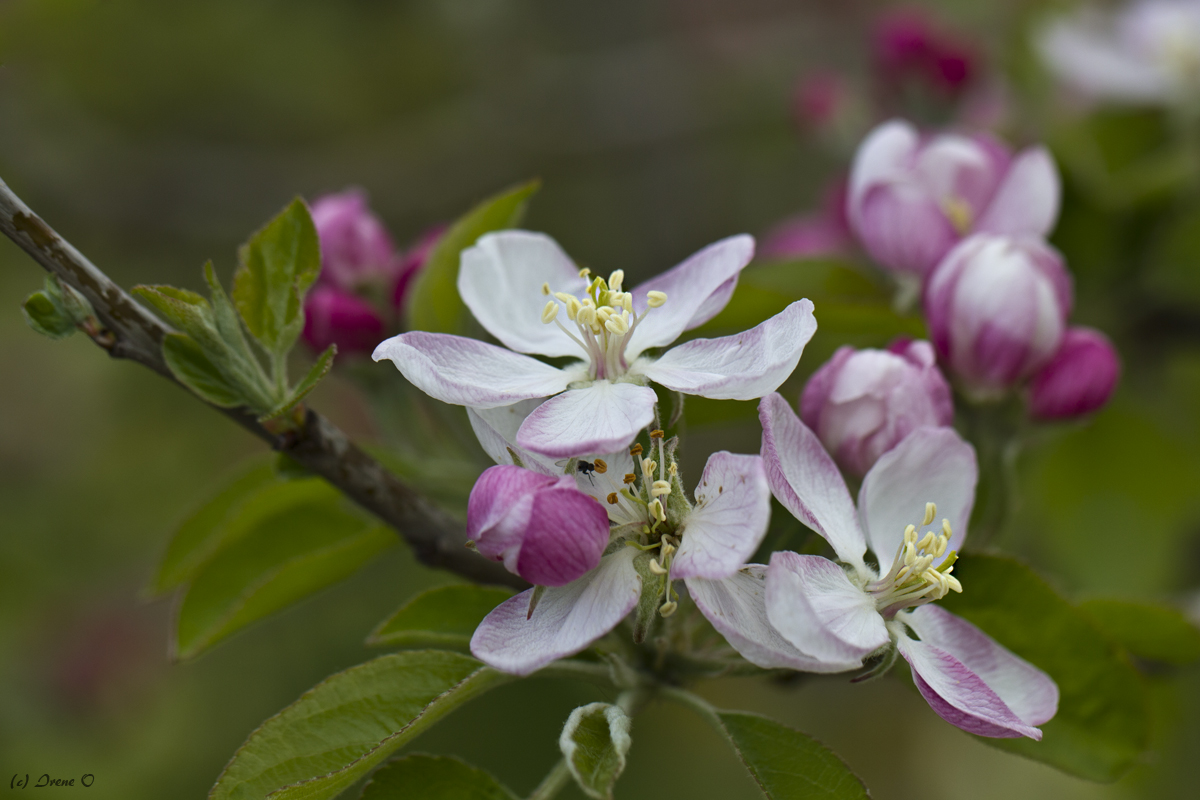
(588, 503)
(364, 279)
(962, 221)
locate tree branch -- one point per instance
(132, 332)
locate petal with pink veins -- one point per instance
(744, 366)
(803, 477)
(813, 604)
(886, 153)
(468, 372)
(733, 508)
(697, 289)
(566, 619)
(501, 280)
(600, 418)
(929, 465)
(1027, 201)
(736, 607)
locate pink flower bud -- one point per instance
(1078, 380)
(335, 316)
(906, 46)
(819, 98)
(862, 403)
(997, 307)
(413, 262)
(541, 527)
(912, 198)
(355, 247)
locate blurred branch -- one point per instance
(129, 331)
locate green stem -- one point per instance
(696, 703)
(579, 670)
(553, 783)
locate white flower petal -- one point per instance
(744, 366)
(733, 508)
(930, 465)
(496, 428)
(736, 607)
(1026, 202)
(468, 372)
(566, 620)
(803, 477)
(812, 602)
(501, 280)
(1030, 693)
(887, 152)
(600, 418)
(694, 290)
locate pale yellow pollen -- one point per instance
(627, 302)
(583, 273)
(655, 299)
(656, 568)
(930, 513)
(616, 279)
(549, 312)
(959, 213)
(648, 466)
(617, 326)
(668, 608)
(660, 488)
(546, 288)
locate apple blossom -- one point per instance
(336, 316)
(862, 403)
(356, 250)
(656, 535)
(1078, 380)
(840, 613)
(912, 198)
(996, 308)
(1146, 52)
(520, 285)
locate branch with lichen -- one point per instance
(126, 330)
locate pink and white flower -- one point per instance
(839, 614)
(862, 403)
(912, 198)
(356, 250)
(996, 308)
(1078, 380)
(1148, 52)
(528, 293)
(656, 537)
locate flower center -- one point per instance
(604, 321)
(913, 580)
(959, 212)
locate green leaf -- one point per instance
(1102, 724)
(594, 743)
(787, 764)
(318, 371)
(188, 311)
(434, 304)
(445, 616)
(433, 778)
(199, 536)
(47, 317)
(279, 264)
(345, 726)
(286, 542)
(192, 367)
(1147, 630)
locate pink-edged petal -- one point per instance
(600, 418)
(1027, 691)
(813, 604)
(565, 537)
(697, 289)
(744, 366)
(904, 228)
(736, 607)
(953, 166)
(803, 477)
(1027, 201)
(931, 465)
(501, 280)
(958, 695)
(733, 508)
(496, 429)
(566, 619)
(886, 153)
(468, 372)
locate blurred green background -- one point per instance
(157, 135)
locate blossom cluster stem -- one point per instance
(553, 783)
(129, 331)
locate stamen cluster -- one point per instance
(913, 580)
(603, 318)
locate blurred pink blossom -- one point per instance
(336, 316)
(1078, 380)
(356, 249)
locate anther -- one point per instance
(616, 325)
(656, 568)
(636, 450)
(630, 477)
(627, 302)
(583, 273)
(656, 509)
(612, 498)
(659, 488)
(601, 466)
(930, 513)
(546, 288)
(655, 299)
(656, 434)
(668, 608)
(549, 312)
(946, 527)
(616, 279)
